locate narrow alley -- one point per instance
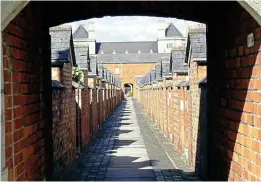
(130, 91)
(128, 153)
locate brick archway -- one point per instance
(233, 80)
(128, 87)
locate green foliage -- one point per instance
(77, 75)
(130, 94)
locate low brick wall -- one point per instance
(103, 102)
(175, 108)
(171, 109)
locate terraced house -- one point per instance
(130, 59)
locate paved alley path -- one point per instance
(129, 151)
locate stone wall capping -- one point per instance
(61, 28)
(57, 85)
(77, 85)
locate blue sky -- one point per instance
(129, 28)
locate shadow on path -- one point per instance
(128, 151)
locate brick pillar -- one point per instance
(85, 121)
(64, 137)
(181, 119)
(100, 107)
(111, 102)
(107, 99)
(104, 104)
(169, 119)
(94, 110)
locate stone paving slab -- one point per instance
(130, 150)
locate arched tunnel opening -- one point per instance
(34, 89)
(128, 88)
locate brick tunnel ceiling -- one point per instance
(64, 12)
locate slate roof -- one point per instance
(80, 33)
(133, 58)
(61, 45)
(166, 67)
(131, 47)
(56, 84)
(82, 55)
(197, 39)
(172, 31)
(178, 57)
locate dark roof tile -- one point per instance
(80, 33)
(133, 58)
(61, 44)
(198, 43)
(131, 47)
(172, 31)
(178, 57)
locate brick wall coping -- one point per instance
(57, 85)
(61, 28)
(183, 84)
(77, 85)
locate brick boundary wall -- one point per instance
(25, 104)
(64, 125)
(228, 145)
(85, 126)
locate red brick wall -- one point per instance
(186, 150)
(31, 152)
(85, 115)
(235, 110)
(181, 119)
(170, 113)
(100, 109)
(197, 72)
(165, 110)
(64, 124)
(24, 102)
(94, 110)
(105, 103)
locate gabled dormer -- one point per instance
(172, 31)
(80, 33)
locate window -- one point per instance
(117, 70)
(169, 45)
